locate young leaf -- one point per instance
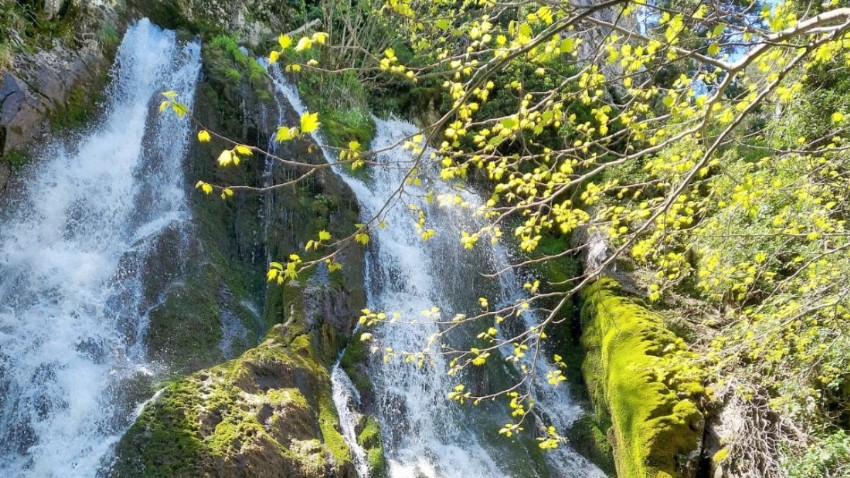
(309, 122)
(179, 108)
(283, 134)
(204, 136)
(244, 150)
(303, 44)
(225, 158)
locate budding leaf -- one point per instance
(309, 122)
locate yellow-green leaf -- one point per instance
(204, 136)
(225, 158)
(284, 134)
(309, 122)
(304, 44)
(244, 150)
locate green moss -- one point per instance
(185, 329)
(329, 425)
(342, 104)
(370, 439)
(227, 62)
(81, 106)
(270, 401)
(587, 436)
(353, 362)
(16, 159)
(341, 127)
(655, 422)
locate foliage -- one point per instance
(829, 457)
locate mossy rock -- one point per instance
(267, 413)
(369, 437)
(656, 424)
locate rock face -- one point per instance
(41, 85)
(252, 21)
(49, 77)
(637, 382)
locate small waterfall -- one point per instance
(424, 434)
(347, 401)
(74, 252)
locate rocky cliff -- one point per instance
(54, 62)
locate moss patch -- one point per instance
(260, 412)
(16, 159)
(370, 439)
(656, 426)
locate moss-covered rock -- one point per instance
(652, 404)
(369, 437)
(267, 413)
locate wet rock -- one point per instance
(40, 85)
(266, 414)
(5, 173)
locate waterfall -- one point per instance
(425, 435)
(74, 253)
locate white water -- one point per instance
(72, 255)
(424, 434)
(347, 401)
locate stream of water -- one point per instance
(73, 252)
(426, 435)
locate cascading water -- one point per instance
(424, 434)
(73, 254)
